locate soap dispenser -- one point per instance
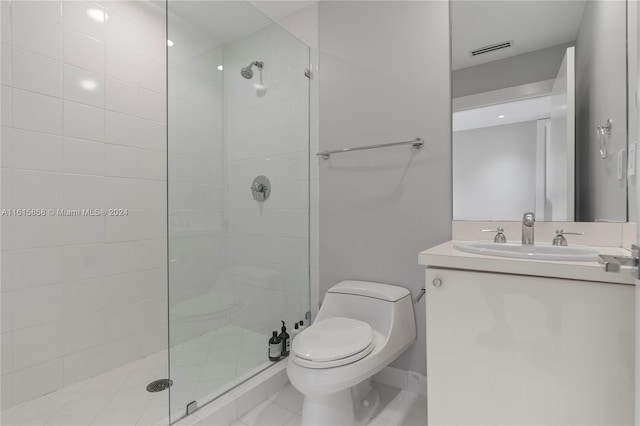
(275, 347)
(286, 341)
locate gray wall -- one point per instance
(600, 94)
(494, 174)
(382, 79)
(530, 67)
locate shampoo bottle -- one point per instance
(275, 347)
(286, 341)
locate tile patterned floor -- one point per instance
(397, 408)
(119, 397)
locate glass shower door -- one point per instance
(238, 266)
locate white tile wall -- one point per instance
(83, 116)
(267, 133)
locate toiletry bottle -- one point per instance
(301, 325)
(295, 331)
(275, 347)
(286, 342)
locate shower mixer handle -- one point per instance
(260, 188)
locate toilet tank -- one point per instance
(374, 303)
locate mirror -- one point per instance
(539, 110)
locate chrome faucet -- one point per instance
(528, 220)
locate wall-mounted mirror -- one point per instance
(539, 110)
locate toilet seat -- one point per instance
(333, 342)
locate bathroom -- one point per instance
(141, 244)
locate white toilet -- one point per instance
(361, 328)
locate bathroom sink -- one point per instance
(537, 251)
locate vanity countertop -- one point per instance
(446, 256)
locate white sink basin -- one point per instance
(537, 251)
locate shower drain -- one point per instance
(159, 385)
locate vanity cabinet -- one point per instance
(506, 349)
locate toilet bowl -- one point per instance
(360, 328)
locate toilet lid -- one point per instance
(332, 339)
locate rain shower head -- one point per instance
(247, 72)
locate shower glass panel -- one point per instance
(238, 109)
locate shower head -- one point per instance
(247, 72)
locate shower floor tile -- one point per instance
(119, 397)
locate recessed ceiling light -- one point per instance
(220, 67)
(97, 15)
(501, 116)
(169, 43)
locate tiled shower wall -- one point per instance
(83, 127)
(267, 131)
(196, 222)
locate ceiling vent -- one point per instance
(491, 48)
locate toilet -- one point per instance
(360, 328)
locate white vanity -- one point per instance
(518, 341)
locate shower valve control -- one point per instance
(261, 188)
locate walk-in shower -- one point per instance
(167, 296)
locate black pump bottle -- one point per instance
(275, 347)
(286, 341)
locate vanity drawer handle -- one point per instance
(437, 282)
